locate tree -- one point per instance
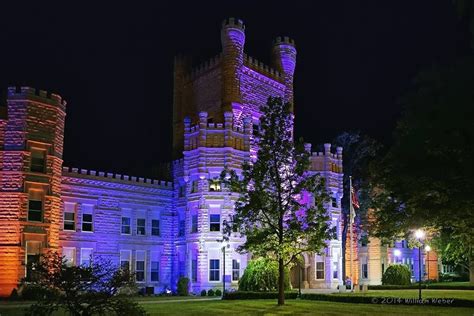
(82, 290)
(427, 177)
(359, 151)
(261, 274)
(274, 211)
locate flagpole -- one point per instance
(351, 220)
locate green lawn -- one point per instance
(461, 294)
(296, 307)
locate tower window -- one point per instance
(182, 225)
(35, 206)
(215, 223)
(194, 223)
(38, 161)
(214, 185)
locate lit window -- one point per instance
(69, 217)
(86, 256)
(38, 161)
(35, 206)
(155, 227)
(214, 185)
(194, 270)
(69, 255)
(214, 272)
(319, 269)
(126, 228)
(235, 270)
(194, 223)
(155, 267)
(140, 266)
(215, 223)
(182, 225)
(125, 257)
(141, 226)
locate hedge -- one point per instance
(384, 300)
(247, 295)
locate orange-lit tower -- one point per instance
(31, 149)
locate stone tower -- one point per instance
(31, 150)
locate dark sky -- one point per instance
(113, 64)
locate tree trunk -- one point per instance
(471, 270)
(281, 282)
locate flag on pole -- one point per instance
(353, 204)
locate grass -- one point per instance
(268, 307)
(295, 307)
(411, 293)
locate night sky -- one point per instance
(114, 64)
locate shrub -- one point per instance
(183, 286)
(203, 293)
(397, 274)
(218, 292)
(247, 295)
(210, 292)
(262, 275)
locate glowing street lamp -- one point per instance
(397, 253)
(419, 234)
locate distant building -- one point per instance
(160, 230)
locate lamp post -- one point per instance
(428, 249)
(419, 234)
(225, 245)
(299, 279)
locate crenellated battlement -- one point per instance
(233, 23)
(284, 40)
(204, 67)
(207, 134)
(36, 95)
(327, 160)
(262, 68)
(108, 176)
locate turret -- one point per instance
(284, 60)
(233, 40)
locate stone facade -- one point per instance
(158, 229)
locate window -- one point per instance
(194, 186)
(126, 227)
(182, 225)
(255, 129)
(235, 270)
(69, 216)
(86, 256)
(335, 268)
(86, 222)
(215, 223)
(214, 185)
(155, 227)
(383, 267)
(155, 267)
(38, 161)
(320, 270)
(141, 226)
(194, 270)
(33, 249)
(69, 255)
(214, 270)
(125, 258)
(87, 218)
(194, 223)
(140, 266)
(334, 202)
(35, 206)
(365, 272)
(181, 191)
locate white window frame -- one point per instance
(66, 211)
(144, 227)
(154, 257)
(323, 261)
(87, 211)
(144, 265)
(129, 225)
(159, 228)
(73, 262)
(127, 255)
(234, 270)
(90, 257)
(210, 222)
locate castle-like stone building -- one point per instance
(160, 230)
